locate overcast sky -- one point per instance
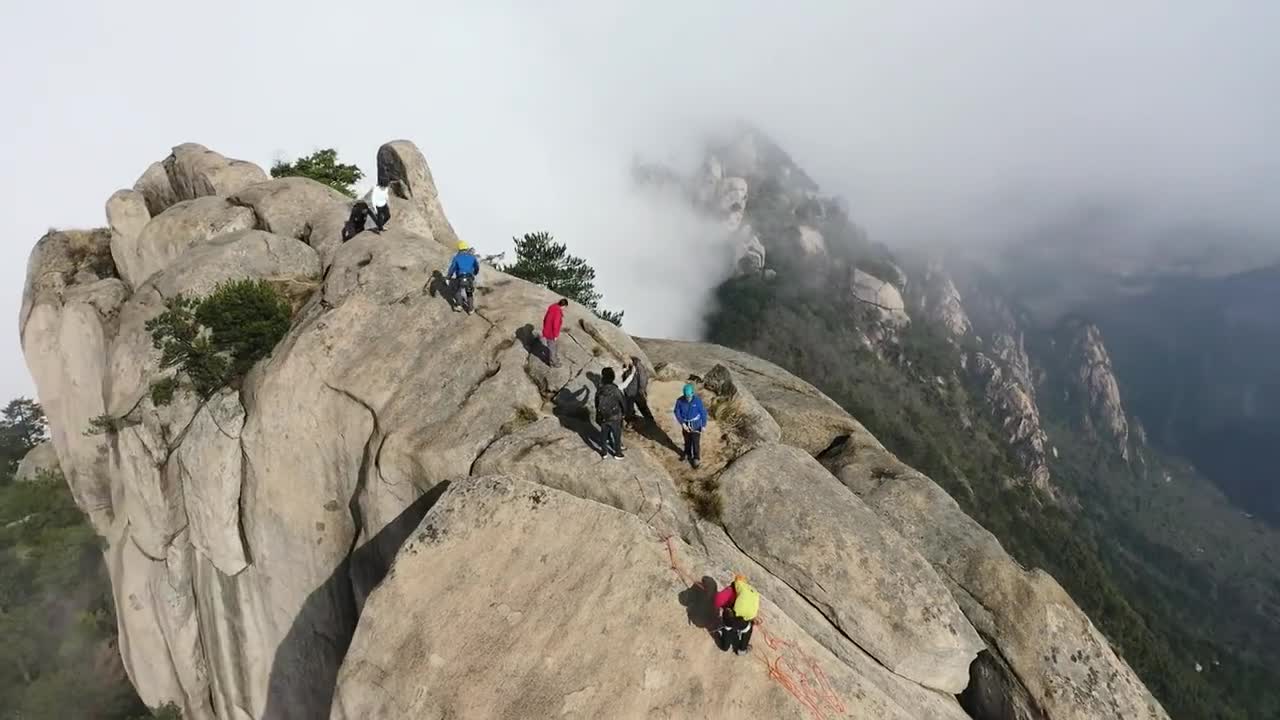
(947, 122)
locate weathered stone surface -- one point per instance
(915, 700)
(294, 206)
(581, 605)
(127, 214)
(168, 235)
(210, 465)
(549, 454)
(40, 461)
(786, 511)
(195, 171)
(735, 402)
(401, 162)
(155, 188)
(64, 340)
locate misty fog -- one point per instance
(963, 124)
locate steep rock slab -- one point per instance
(547, 453)
(401, 160)
(210, 465)
(914, 699)
(154, 612)
(168, 235)
(39, 460)
(581, 618)
(1067, 666)
(378, 396)
(788, 513)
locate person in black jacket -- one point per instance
(635, 388)
(610, 406)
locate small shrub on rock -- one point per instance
(162, 391)
(217, 339)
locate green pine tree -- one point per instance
(542, 260)
(323, 167)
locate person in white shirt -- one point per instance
(381, 207)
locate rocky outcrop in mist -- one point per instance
(400, 512)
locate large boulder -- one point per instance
(401, 163)
(40, 461)
(580, 615)
(880, 296)
(168, 235)
(196, 171)
(786, 511)
(192, 171)
(295, 207)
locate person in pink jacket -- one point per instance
(551, 324)
(738, 603)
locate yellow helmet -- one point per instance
(463, 246)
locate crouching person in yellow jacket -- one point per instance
(739, 603)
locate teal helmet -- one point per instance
(688, 390)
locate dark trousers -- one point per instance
(611, 436)
(641, 403)
(734, 632)
(382, 216)
(692, 445)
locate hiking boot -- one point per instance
(693, 462)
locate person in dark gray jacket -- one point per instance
(610, 406)
(635, 388)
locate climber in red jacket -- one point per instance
(739, 604)
(551, 323)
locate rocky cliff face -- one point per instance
(1094, 382)
(992, 344)
(400, 513)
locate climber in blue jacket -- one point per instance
(692, 418)
(462, 277)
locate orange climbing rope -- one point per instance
(817, 694)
